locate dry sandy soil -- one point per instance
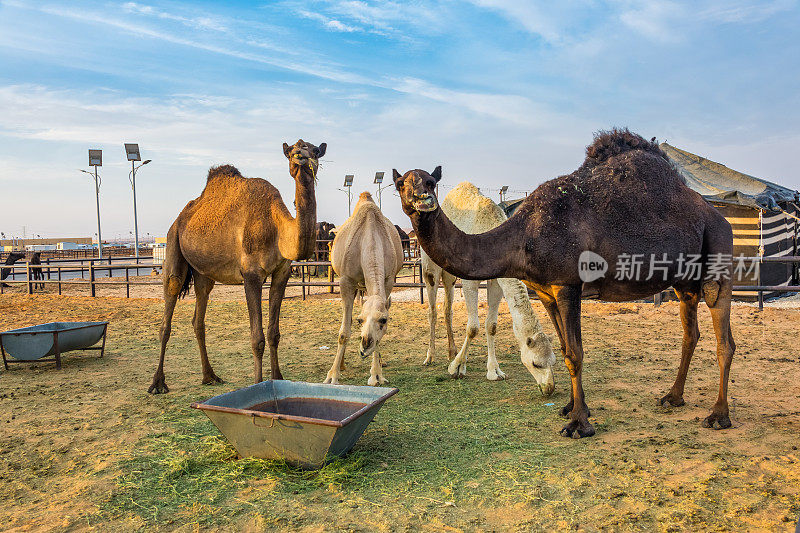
(86, 448)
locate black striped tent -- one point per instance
(765, 216)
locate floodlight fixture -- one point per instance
(95, 158)
(379, 178)
(132, 151)
(348, 180)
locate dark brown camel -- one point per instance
(404, 241)
(626, 198)
(12, 258)
(323, 252)
(36, 270)
(237, 232)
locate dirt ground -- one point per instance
(86, 448)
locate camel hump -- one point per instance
(471, 211)
(608, 144)
(223, 170)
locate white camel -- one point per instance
(472, 212)
(367, 255)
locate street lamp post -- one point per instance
(503, 191)
(378, 181)
(96, 160)
(348, 183)
(132, 152)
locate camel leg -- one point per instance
(449, 281)
(550, 305)
(252, 292)
(174, 269)
(277, 289)
(494, 295)
(458, 366)
(431, 281)
(347, 290)
(376, 371)
(721, 318)
(691, 334)
(202, 289)
(569, 307)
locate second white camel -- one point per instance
(474, 213)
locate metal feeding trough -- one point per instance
(54, 338)
(305, 424)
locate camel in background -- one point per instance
(405, 241)
(237, 232)
(323, 249)
(36, 270)
(626, 200)
(366, 254)
(12, 258)
(472, 212)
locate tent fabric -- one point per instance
(720, 184)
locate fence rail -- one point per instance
(52, 274)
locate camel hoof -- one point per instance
(331, 381)
(375, 381)
(495, 375)
(428, 360)
(671, 400)
(717, 421)
(577, 429)
(212, 379)
(159, 386)
(456, 370)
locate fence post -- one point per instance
(303, 278)
(91, 277)
(28, 276)
(59, 279)
(127, 284)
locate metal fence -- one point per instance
(96, 273)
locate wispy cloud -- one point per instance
(329, 23)
(204, 23)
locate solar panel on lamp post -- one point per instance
(132, 153)
(96, 160)
(348, 183)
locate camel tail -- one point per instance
(187, 282)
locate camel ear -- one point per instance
(437, 173)
(286, 149)
(321, 149)
(398, 178)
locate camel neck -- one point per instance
(300, 240)
(470, 256)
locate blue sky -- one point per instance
(499, 92)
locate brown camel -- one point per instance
(239, 232)
(36, 270)
(625, 203)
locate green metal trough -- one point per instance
(54, 338)
(306, 424)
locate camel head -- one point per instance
(417, 190)
(537, 355)
(373, 319)
(303, 158)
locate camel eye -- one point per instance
(530, 342)
(382, 321)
